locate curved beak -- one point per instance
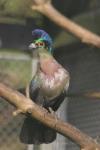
(32, 46)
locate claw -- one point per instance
(17, 112)
(51, 111)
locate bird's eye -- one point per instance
(41, 44)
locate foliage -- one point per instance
(16, 11)
(15, 73)
(15, 7)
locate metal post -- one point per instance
(61, 142)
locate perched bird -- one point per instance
(48, 88)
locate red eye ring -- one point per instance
(41, 44)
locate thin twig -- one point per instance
(25, 105)
(46, 8)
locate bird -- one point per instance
(48, 88)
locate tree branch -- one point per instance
(46, 8)
(25, 105)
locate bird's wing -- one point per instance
(34, 89)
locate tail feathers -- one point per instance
(33, 132)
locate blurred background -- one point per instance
(17, 21)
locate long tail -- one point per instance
(33, 132)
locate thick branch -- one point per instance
(46, 8)
(25, 105)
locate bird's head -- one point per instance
(41, 39)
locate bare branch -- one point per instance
(47, 9)
(26, 105)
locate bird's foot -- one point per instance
(17, 112)
(44, 110)
(53, 112)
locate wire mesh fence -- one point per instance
(15, 72)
